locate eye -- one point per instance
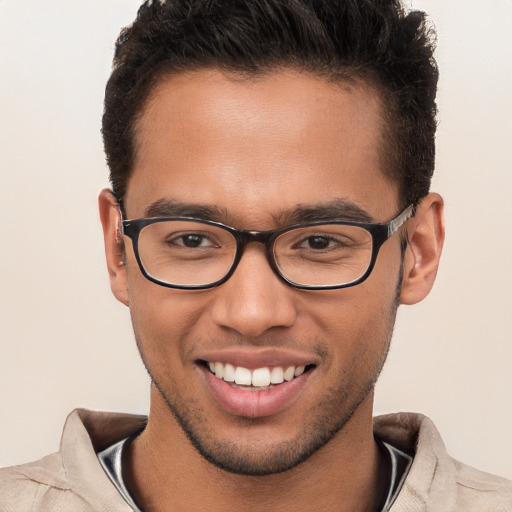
(192, 241)
(320, 242)
(315, 242)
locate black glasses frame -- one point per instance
(380, 233)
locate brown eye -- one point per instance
(317, 242)
(192, 240)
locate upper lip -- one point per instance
(252, 359)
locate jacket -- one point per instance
(73, 480)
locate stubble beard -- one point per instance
(253, 461)
(328, 417)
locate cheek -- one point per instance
(357, 322)
(363, 337)
(162, 318)
(350, 312)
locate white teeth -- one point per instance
(219, 370)
(289, 373)
(242, 376)
(258, 378)
(299, 370)
(276, 376)
(261, 377)
(229, 373)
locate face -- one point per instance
(251, 154)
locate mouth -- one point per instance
(258, 379)
(258, 383)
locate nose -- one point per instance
(254, 299)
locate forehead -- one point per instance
(257, 146)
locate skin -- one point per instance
(258, 149)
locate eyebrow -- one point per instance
(337, 209)
(171, 208)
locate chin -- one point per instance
(250, 453)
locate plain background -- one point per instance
(64, 340)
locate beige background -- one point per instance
(65, 342)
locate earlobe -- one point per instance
(421, 259)
(114, 245)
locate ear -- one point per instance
(421, 258)
(114, 246)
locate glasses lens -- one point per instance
(325, 255)
(186, 252)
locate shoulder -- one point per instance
(481, 491)
(72, 479)
(40, 485)
(435, 480)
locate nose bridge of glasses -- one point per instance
(245, 237)
(266, 238)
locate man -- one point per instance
(270, 164)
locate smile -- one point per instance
(267, 384)
(257, 379)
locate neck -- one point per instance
(164, 472)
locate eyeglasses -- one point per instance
(193, 254)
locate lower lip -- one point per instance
(254, 404)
